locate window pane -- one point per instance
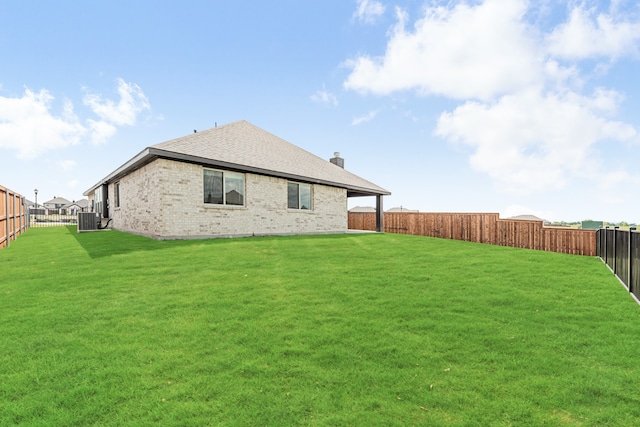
(292, 195)
(305, 196)
(234, 188)
(116, 190)
(213, 187)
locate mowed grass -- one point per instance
(112, 329)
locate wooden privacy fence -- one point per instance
(13, 217)
(620, 250)
(482, 228)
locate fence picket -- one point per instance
(482, 228)
(620, 250)
(12, 216)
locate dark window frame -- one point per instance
(298, 195)
(116, 194)
(223, 188)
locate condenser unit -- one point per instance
(87, 221)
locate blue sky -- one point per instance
(501, 106)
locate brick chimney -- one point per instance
(337, 160)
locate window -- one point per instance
(223, 188)
(116, 194)
(299, 196)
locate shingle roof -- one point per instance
(401, 209)
(246, 147)
(82, 203)
(527, 218)
(362, 209)
(57, 201)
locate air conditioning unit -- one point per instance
(87, 221)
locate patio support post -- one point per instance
(379, 214)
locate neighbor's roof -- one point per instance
(245, 147)
(527, 218)
(361, 209)
(82, 203)
(57, 201)
(401, 209)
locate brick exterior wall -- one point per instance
(140, 209)
(164, 200)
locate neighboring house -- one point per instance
(400, 210)
(83, 204)
(529, 218)
(74, 207)
(31, 206)
(232, 180)
(54, 205)
(362, 209)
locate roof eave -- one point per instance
(172, 155)
(150, 153)
(139, 160)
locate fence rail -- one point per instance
(52, 220)
(13, 218)
(620, 250)
(482, 228)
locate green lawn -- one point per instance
(112, 329)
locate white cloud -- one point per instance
(529, 142)
(523, 114)
(324, 97)
(368, 11)
(67, 165)
(132, 102)
(562, 76)
(464, 52)
(28, 124)
(101, 131)
(365, 118)
(588, 34)
(611, 186)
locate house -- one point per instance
(401, 209)
(54, 205)
(74, 207)
(362, 209)
(529, 218)
(231, 180)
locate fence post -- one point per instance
(615, 249)
(606, 246)
(16, 213)
(22, 228)
(631, 289)
(8, 221)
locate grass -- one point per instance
(113, 329)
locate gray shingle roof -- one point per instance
(362, 209)
(57, 201)
(527, 218)
(245, 147)
(82, 203)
